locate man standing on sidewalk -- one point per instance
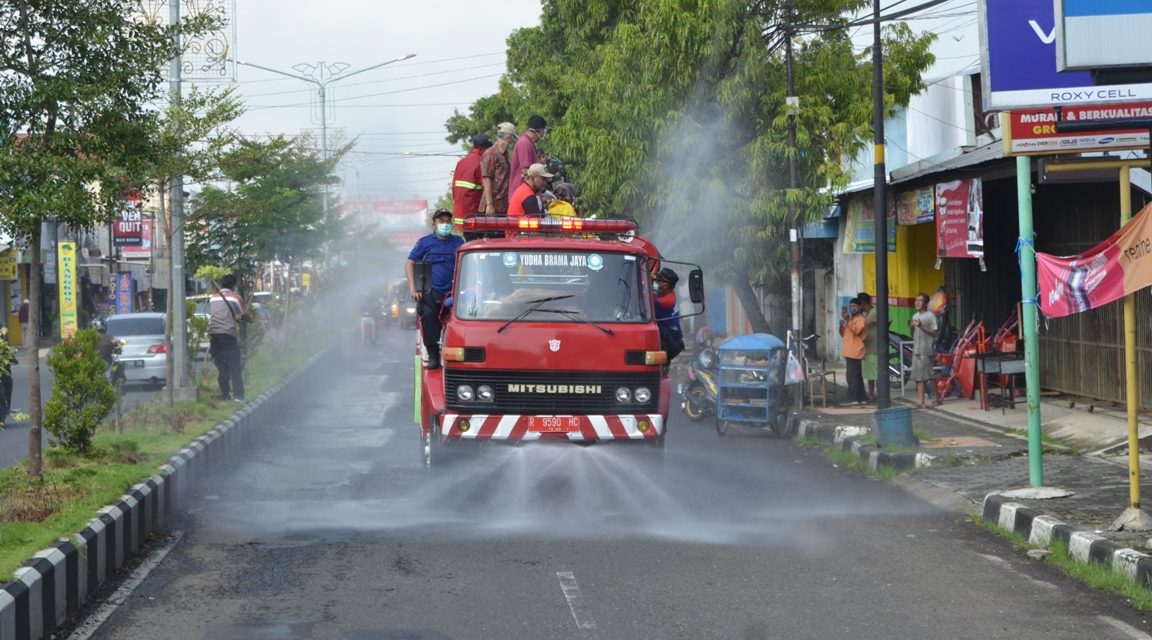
(852, 327)
(924, 331)
(227, 312)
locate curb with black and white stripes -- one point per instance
(1083, 546)
(851, 439)
(53, 585)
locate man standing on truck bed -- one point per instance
(525, 154)
(438, 249)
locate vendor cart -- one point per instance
(750, 383)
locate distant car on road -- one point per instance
(143, 353)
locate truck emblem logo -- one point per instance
(554, 345)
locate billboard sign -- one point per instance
(1095, 34)
(1033, 131)
(1018, 41)
(144, 249)
(69, 289)
(960, 219)
(128, 230)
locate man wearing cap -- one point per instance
(526, 199)
(467, 182)
(494, 169)
(524, 154)
(439, 249)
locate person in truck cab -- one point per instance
(438, 249)
(667, 313)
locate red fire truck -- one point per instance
(550, 334)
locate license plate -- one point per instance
(554, 424)
(133, 364)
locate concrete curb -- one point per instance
(1083, 546)
(54, 584)
(851, 439)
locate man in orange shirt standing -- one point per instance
(526, 199)
(852, 328)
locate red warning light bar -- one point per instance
(548, 225)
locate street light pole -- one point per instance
(316, 77)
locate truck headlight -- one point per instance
(623, 395)
(643, 395)
(465, 393)
(484, 393)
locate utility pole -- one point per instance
(880, 209)
(793, 106)
(181, 390)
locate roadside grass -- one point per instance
(1055, 446)
(1094, 575)
(849, 460)
(127, 451)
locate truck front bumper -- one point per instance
(574, 428)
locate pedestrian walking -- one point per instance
(494, 171)
(226, 311)
(852, 327)
(22, 316)
(439, 249)
(467, 182)
(869, 367)
(525, 154)
(924, 330)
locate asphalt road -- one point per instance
(332, 529)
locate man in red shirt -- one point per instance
(467, 182)
(525, 154)
(525, 199)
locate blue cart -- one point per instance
(751, 387)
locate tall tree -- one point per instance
(77, 78)
(674, 113)
(270, 211)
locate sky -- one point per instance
(394, 110)
(397, 112)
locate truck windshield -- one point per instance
(588, 286)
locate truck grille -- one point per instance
(552, 392)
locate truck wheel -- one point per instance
(695, 400)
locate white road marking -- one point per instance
(575, 600)
(1128, 630)
(92, 623)
(1003, 564)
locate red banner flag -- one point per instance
(1120, 265)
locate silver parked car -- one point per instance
(143, 353)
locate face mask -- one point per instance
(443, 228)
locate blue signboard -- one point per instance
(1019, 61)
(1097, 34)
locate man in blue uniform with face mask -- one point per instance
(438, 249)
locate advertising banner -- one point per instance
(1093, 34)
(1019, 69)
(1120, 265)
(144, 249)
(860, 227)
(69, 289)
(125, 292)
(960, 219)
(916, 206)
(128, 229)
(1033, 131)
(8, 264)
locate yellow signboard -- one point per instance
(306, 280)
(8, 265)
(69, 292)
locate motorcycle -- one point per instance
(699, 392)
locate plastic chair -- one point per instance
(817, 375)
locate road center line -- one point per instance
(575, 600)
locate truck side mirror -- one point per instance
(696, 286)
(422, 274)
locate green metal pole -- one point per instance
(1027, 255)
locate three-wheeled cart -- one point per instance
(750, 383)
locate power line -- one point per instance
(384, 93)
(373, 82)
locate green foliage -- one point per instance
(273, 210)
(211, 272)
(81, 395)
(673, 113)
